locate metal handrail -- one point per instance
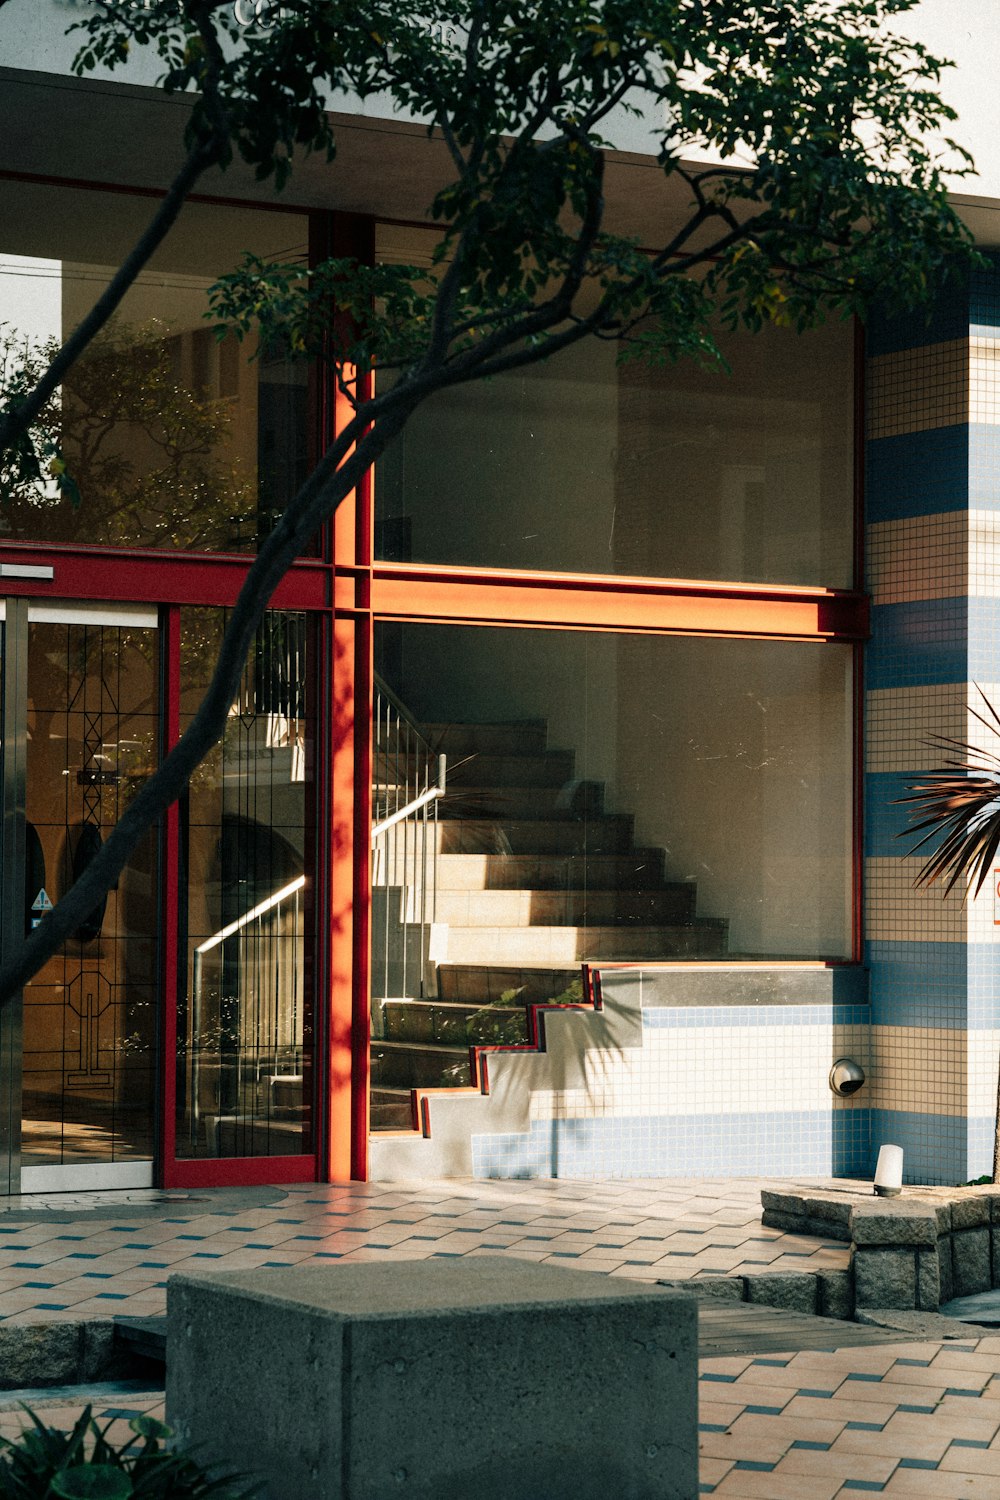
(383, 690)
(423, 800)
(409, 779)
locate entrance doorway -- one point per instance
(80, 732)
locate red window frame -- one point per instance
(367, 591)
(348, 590)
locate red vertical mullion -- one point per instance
(169, 903)
(349, 812)
(361, 1028)
(341, 1156)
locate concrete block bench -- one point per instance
(475, 1379)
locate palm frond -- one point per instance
(956, 808)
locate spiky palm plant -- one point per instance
(955, 808)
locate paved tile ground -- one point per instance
(918, 1421)
(62, 1259)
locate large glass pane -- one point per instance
(174, 439)
(245, 1015)
(608, 798)
(90, 1033)
(582, 464)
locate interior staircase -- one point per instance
(533, 878)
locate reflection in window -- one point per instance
(245, 1020)
(583, 464)
(174, 439)
(90, 1013)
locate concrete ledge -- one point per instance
(910, 1253)
(748, 984)
(915, 1327)
(829, 1294)
(35, 1354)
(484, 1377)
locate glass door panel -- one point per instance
(89, 1015)
(244, 1025)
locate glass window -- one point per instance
(582, 464)
(245, 1017)
(173, 438)
(607, 797)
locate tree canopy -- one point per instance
(805, 141)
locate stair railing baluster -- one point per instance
(409, 781)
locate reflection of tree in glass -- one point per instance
(147, 452)
(81, 668)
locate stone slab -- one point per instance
(894, 1222)
(794, 1291)
(719, 1288)
(917, 1326)
(483, 1377)
(970, 1261)
(885, 1277)
(835, 1294)
(50, 1354)
(983, 1308)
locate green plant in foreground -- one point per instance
(47, 1463)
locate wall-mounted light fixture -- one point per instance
(846, 1077)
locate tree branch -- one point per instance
(211, 148)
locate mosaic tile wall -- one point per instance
(933, 511)
(713, 1090)
(651, 1088)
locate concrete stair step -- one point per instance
(545, 768)
(524, 908)
(638, 869)
(523, 738)
(415, 1065)
(567, 802)
(391, 1109)
(611, 834)
(559, 947)
(452, 1023)
(145, 1337)
(488, 984)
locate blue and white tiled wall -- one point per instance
(933, 512)
(649, 1087)
(713, 1091)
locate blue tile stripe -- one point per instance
(945, 317)
(919, 642)
(984, 455)
(917, 473)
(922, 984)
(668, 1018)
(935, 1147)
(819, 1142)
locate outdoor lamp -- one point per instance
(889, 1172)
(846, 1077)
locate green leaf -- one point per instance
(92, 1482)
(150, 1427)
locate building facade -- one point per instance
(553, 831)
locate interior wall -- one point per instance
(741, 768)
(734, 756)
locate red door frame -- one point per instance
(172, 580)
